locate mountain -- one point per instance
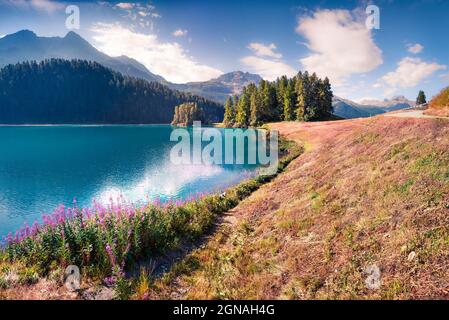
(58, 91)
(395, 103)
(221, 88)
(349, 109)
(25, 45)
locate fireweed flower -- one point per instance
(110, 254)
(88, 213)
(121, 222)
(10, 237)
(35, 228)
(70, 213)
(109, 281)
(157, 201)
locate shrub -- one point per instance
(3, 283)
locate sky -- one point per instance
(366, 56)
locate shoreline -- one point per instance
(86, 125)
(218, 126)
(248, 175)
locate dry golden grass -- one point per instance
(369, 191)
(439, 112)
(439, 106)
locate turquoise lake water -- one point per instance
(43, 167)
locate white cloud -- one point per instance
(41, 5)
(268, 69)
(410, 72)
(364, 99)
(138, 13)
(46, 5)
(125, 5)
(179, 33)
(341, 45)
(262, 50)
(415, 48)
(167, 59)
(267, 62)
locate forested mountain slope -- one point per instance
(59, 91)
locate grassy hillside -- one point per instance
(369, 191)
(439, 106)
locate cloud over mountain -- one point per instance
(40, 5)
(268, 69)
(409, 73)
(262, 50)
(169, 59)
(266, 61)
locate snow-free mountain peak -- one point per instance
(349, 109)
(25, 45)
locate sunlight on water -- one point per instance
(43, 167)
(167, 182)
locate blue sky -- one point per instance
(198, 40)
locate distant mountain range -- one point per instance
(25, 45)
(221, 88)
(366, 108)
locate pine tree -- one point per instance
(275, 112)
(312, 110)
(176, 119)
(229, 115)
(289, 102)
(302, 93)
(261, 106)
(256, 117)
(268, 102)
(243, 110)
(327, 96)
(281, 87)
(421, 99)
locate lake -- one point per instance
(42, 167)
